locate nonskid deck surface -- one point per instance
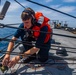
(50, 69)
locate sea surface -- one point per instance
(4, 32)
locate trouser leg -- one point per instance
(25, 48)
(43, 55)
(21, 48)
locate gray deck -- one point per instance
(36, 69)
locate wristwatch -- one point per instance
(21, 57)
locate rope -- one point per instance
(19, 3)
(25, 42)
(38, 31)
(6, 52)
(62, 46)
(51, 8)
(44, 63)
(8, 36)
(14, 24)
(5, 39)
(52, 57)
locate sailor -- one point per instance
(36, 29)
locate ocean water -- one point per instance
(4, 32)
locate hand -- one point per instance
(13, 62)
(6, 60)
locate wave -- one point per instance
(3, 33)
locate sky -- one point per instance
(13, 14)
